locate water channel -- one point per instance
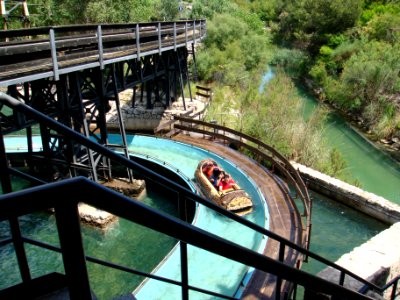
(336, 228)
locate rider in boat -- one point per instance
(227, 184)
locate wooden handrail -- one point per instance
(278, 161)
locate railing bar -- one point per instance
(126, 269)
(124, 207)
(5, 242)
(13, 103)
(279, 238)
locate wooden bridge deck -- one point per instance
(283, 218)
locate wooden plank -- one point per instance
(203, 95)
(203, 88)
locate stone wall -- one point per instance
(368, 203)
(139, 118)
(377, 260)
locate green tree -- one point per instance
(207, 8)
(311, 22)
(168, 10)
(385, 27)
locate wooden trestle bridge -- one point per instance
(72, 73)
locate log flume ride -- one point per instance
(234, 200)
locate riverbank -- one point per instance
(354, 197)
(390, 146)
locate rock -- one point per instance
(123, 186)
(395, 146)
(95, 217)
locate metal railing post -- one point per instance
(341, 279)
(14, 224)
(137, 34)
(174, 36)
(394, 290)
(186, 33)
(67, 219)
(159, 38)
(194, 32)
(100, 46)
(183, 250)
(281, 258)
(53, 49)
(19, 249)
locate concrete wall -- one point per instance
(368, 203)
(377, 260)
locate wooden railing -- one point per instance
(31, 54)
(259, 149)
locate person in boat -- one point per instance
(207, 169)
(216, 177)
(227, 184)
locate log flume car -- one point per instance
(236, 200)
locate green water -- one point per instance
(123, 243)
(338, 229)
(375, 170)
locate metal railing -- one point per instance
(53, 51)
(64, 195)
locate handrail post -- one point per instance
(394, 289)
(341, 280)
(67, 219)
(19, 249)
(137, 34)
(174, 36)
(186, 33)
(281, 258)
(159, 38)
(194, 32)
(183, 251)
(14, 224)
(100, 46)
(53, 49)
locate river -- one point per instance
(337, 229)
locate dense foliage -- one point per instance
(234, 55)
(62, 12)
(350, 50)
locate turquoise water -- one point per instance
(186, 158)
(123, 241)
